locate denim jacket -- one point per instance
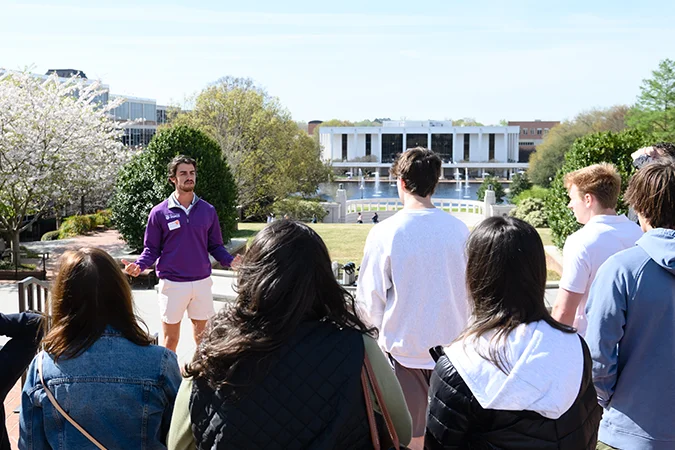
(120, 393)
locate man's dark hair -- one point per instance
(180, 159)
(420, 169)
(651, 193)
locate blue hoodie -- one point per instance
(631, 336)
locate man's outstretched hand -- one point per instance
(132, 269)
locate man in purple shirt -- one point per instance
(181, 232)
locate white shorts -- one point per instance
(177, 296)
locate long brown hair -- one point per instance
(90, 293)
(285, 279)
(506, 280)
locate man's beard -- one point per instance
(187, 187)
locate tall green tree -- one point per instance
(144, 182)
(550, 154)
(654, 112)
(270, 156)
(519, 182)
(610, 147)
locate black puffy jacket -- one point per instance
(311, 398)
(457, 421)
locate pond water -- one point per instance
(356, 190)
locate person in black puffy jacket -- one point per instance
(515, 378)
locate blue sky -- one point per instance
(490, 60)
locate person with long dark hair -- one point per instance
(515, 378)
(99, 381)
(281, 367)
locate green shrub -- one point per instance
(496, 186)
(532, 211)
(610, 147)
(534, 192)
(143, 182)
(51, 235)
(298, 209)
(103, 218)
(76, 225)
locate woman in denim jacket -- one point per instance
(99, 365)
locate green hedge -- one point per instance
(534, 192)
(298, 209)
(532, 211)
(51, 235)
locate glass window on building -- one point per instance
(136, 137)
(491, 147)
(136, 110)
(126, 136)
(392, 145)
(344, 147)
(415, 140)
(122, 112)
(148, 133)
(150, 112)
(467, 147)
(441, 144)
(524, 130)
(368, 144)
(161, 116)
(538, 130)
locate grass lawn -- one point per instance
(345, 240)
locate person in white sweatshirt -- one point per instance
(593, 192)
(515, 378)
(411, 281)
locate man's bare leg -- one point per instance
(198, 327)
(171, 332)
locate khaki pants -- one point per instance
(603, 446)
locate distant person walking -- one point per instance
(359, 218)
(376, 218)
(182, 231)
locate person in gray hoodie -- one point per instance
(631, 322)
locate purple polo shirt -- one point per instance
(182, 242)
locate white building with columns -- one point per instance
(477, 149)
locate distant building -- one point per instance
(312, 125)
(532, 133)
(477, 149)
(140, 117)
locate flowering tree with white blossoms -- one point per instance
(58, 142)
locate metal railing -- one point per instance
(394, 204)
(7, 253)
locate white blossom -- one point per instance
(58, 141)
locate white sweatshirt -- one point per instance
(546, 367)
(411, 283)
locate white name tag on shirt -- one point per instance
(174, 225)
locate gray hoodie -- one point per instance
(546, 368)
(631, 337)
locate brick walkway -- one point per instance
(109, 241)
(12, 401)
